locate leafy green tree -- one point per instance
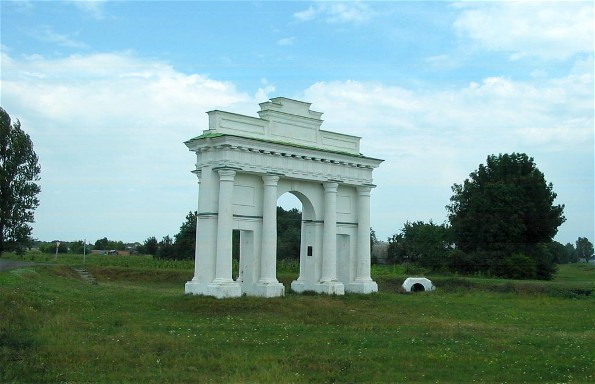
(166, 248)
(584, 248)
(101, 244)
(108, 245)
(561, 253)
(289, 230)
(185, 240)
(150, 246)
(396, 252)
(50, 247)
(19, 172)
(506, 207)
(77, 247)
(571, 253)
(425, 244)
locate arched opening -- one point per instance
(289, 228)
(417, 287)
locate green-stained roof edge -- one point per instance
(215, 135)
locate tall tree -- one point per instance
(584, 248)
(506, 207)
(185, 240)
(19, 172)
(166, 248)
(150, 246)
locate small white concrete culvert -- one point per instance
(418, 284)
(86, 275)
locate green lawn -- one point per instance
(136, 325)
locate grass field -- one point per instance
(136, 325)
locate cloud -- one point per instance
(94, 8)
(262, 94)
(337, 12)
(286, 41)
(109, 129)
(47, 34)
(495, 111)
(432, 138)
(546, 30)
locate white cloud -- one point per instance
(262, 94)
(47, 34)
(94, 8)
(546, 30)
(431, 139)
(109, 129)
(337, 12)
(286, 41)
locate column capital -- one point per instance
(330, 186)
(270, 180)
(197, 173)
(226, 174)
(364, 190)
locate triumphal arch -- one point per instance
(244, 164)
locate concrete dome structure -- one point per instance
(418, 284)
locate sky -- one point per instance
(110, 90)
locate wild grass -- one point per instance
(136, 325)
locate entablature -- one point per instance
(257, 156)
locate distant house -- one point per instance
(109, 252)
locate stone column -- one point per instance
(363, 234)
(329, 237)
(197, 259)
(206, 232)
(224, 226)
(268, 260)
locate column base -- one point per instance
(220, 290)
(272, 289)
(327, 288)
(365, 287)
(196, 288)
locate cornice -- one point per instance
(215, 142)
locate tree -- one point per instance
(77, 247)
(150, 246)
(562, 253)
(505, 208)
(425, 244)
(373, 239)
(50, 247)
(571, 253)
(396, 249)
(166, 248)
(185, 240)
(108, 245)
(289, 231)
(584, 248)
(19, 172)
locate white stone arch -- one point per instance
(305, 198)
(244, 164)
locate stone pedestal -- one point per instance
(328, 288)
